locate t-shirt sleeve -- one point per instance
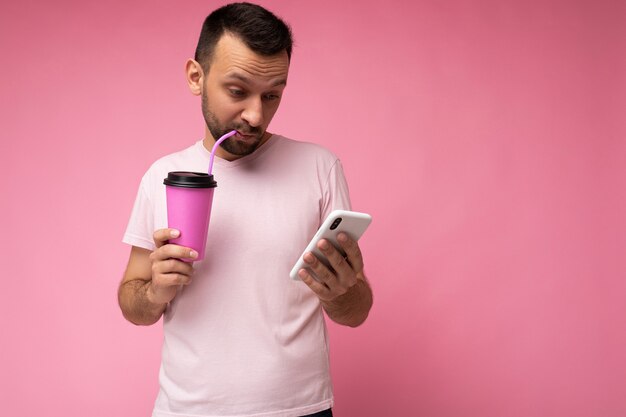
(141, 224)
(336, 193)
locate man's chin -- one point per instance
(240, 147)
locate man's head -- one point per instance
(258, 28)
(240, 70)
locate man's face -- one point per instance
(242, 92)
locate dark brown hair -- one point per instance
(257, 27)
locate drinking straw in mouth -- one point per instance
(220, 140)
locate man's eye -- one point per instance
(271, 97)
(236, 93)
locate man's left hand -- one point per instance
(345, 273)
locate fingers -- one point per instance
(336, 259)
(323, 274)
(165, 250)
(321, 280)
(329, 282)
(347, 262)
(178, 272)
(161, 236)
(352, 250)
(168, 270)
(168, 273)
(320, 289)
(169, 251)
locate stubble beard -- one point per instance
(230, 145)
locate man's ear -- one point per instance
(195, 76)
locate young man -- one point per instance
(240, 337)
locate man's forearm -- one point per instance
(136, 305)
(351, 309)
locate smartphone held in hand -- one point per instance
(351, 223)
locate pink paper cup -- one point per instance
(189, 198)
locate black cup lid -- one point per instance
(190, 179)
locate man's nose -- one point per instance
(253, 112)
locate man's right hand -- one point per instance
(152, 278)
(168, 271)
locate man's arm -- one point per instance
(343, 291)
(152, 278)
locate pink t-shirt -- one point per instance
(244, 339)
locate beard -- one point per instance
(231, 145)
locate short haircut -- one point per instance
(258, 28)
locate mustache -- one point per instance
(248, 130)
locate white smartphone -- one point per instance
(350, 222)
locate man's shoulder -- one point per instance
(187, 155)
(182, 160)
(305, 148)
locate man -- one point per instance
(240, 337)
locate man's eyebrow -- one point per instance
(239, 77)
(246, 80)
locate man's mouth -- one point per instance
(244, 136)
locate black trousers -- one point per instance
(325, 413)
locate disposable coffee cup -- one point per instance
(189, 198)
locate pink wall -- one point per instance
(487, 138)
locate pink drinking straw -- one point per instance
(220, 140)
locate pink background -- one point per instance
(486, 138)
